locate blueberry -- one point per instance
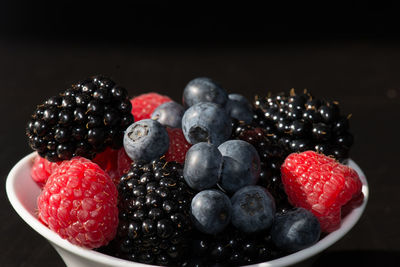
(202, 166)
(206, 122)
(204, 90)
(211, 211)
(253, 209)
(295, 229)
(169, 114)
(146, 140)
(238, 107)
(240, 165)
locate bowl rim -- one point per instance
(347, 224)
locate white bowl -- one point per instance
(22, 192)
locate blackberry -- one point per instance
(154, 207)
(231, 248)
(290, 122)
(302, 122)
(81, 121)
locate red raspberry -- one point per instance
(124, 162)
(321, 185)
(144, 105)
(178, 146)
(79, 202)
(42, 169)
(108, 161)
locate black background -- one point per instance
(348, 52)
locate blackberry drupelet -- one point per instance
(83, 120)
(301, 122)
(231, 248)
(154, 206)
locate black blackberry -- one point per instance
(301, 122)
(231, 248)
(286, 123)
(154, 207)
(81, 121)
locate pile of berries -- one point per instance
(215, 180)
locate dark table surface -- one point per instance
(364, 76)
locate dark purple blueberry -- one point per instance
(253, 209)
(206, 122)
(146, 140)
(295, 230)
(240, 165)
(204, 90)
(169, 114)
(238, 107)
(211, 211)
(202, 166)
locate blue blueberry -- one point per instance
(238, 107)
(240, 165)
(204, 90)
(295, 230)
(146, 140)
(169, 114)
(211, 211)
(202, 166)
(206, 122)
(253, 209)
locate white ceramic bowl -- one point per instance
(22, 192)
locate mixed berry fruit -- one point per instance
(214, 181)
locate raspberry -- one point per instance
(108, 161)
(79, 202)
(320, 184)
(124, 162)
(178, 146)
(42, 169)
(144, 105)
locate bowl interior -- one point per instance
(22, 192)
